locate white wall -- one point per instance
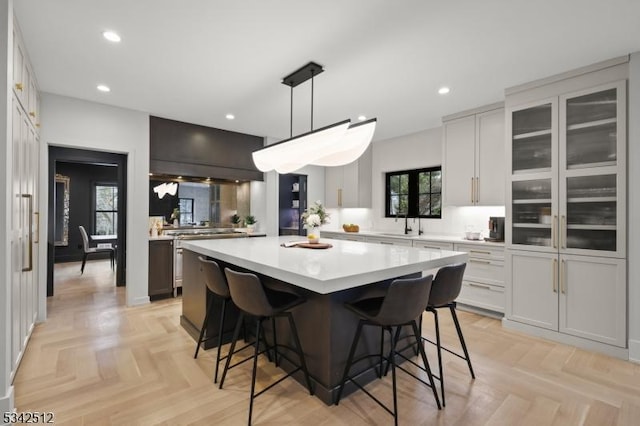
(413, 151)
(258, 200)
(75, 123)
(633, 235)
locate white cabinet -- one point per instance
(566, 205)
(349, 186)
(389, 241)
(346, 236)
(474, 146)
(434, 245)
(483, 281)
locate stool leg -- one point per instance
(236, 333)
(255, 366)
(296, 338)
(84, 260)
(425, 362)
(452, 307)
(204, 326)
(349, 360)
(392, 361)
(275, 340)
(220, 332)
(382, 353)
(266, 344)
(439, 349)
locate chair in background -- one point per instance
(93, 250)
(444, 291)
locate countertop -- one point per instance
(346, 265)
(424, 237)
(161, 237)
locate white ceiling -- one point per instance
(197, 60)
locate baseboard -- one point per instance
(6, 403)
(479, 311)
(140, 301)
(634, 351)
(567, 339)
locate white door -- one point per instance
(459, 161)
(593, 298)
(490, 153)
(532, 297)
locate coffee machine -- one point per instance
(496, 229)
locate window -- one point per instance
(105, 209)
(186, 210)
(414, 193)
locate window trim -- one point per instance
(414, 192)
(192, 212)
(94, 210)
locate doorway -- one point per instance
(95, 174)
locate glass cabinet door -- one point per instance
(531, 207)
(531, 144)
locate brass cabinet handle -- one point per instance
(477, 190)
(563, 281)
(19, 86)
(554, 276)
(386, 242)
(431, 247)
(479, 252)
(471, 190)
(29, 197)
(485, 287)
(340, 197)
(554, 235)
(486, 262)
(37, 215)
(563, 231)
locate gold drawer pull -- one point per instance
(484, 287)
(479, 252)
(485, 262)
(32, 113)
(554, 276)
(19, 86)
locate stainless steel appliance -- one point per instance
(181, 235)
(496, 229)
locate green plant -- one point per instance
(250, 220)
(315, 216)
(235, 219)
(175, 214)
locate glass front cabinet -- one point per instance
(567, 162)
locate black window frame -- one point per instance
(414, 192)
(95, 211)
(183, 213)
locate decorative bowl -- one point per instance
(350, 227)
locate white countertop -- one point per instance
(161, 237)
(424, 237)
(346, 265)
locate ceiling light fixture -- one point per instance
(334, 145)
(111, 36)
(362, 117)
(444, 90)
(166, 188)
(103, 88)
(229, 116)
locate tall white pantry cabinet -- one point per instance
(566, 206)
(22, 149)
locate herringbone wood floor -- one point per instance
(97, 362)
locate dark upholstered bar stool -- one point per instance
(403, 304)
(446, 288)
(217, 284)
(250, 297)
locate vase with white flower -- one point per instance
(312, 219)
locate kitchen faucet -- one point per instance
(406, 225)
(420, 231)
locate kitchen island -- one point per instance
(328, 278)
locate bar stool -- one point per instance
(446, 288)
(217, 285)
(403, 304)
(250, 297)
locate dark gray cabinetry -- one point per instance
(160, 267)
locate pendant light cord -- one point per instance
(312, 75)
(291, 122)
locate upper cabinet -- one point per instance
(24, 81)
(349, 186)
(567, 186)
(474, 147)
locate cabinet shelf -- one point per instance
(532, 134)
(592, 165)
(533, 201)
(590, 124)
(593, 227)
(532, 225)
(592, 200)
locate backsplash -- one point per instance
(454, 220)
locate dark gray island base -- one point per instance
(325, 326)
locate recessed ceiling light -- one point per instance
(179, 177)
(111, 36)
(237, 181)
(362, 117)
(444, 90)
(230, 116)
(150, 174)
(103, 88)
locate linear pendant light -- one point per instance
(334, 145)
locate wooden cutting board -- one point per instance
(311, 245)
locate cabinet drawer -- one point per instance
(483, 296)
(488, 271)
(481, 251)
(437, 245)
(390, 241)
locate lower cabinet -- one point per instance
(484, 277)
(582, 296)
(160, 267)
(390, 241)
(352, 236)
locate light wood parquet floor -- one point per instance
(97, 362)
